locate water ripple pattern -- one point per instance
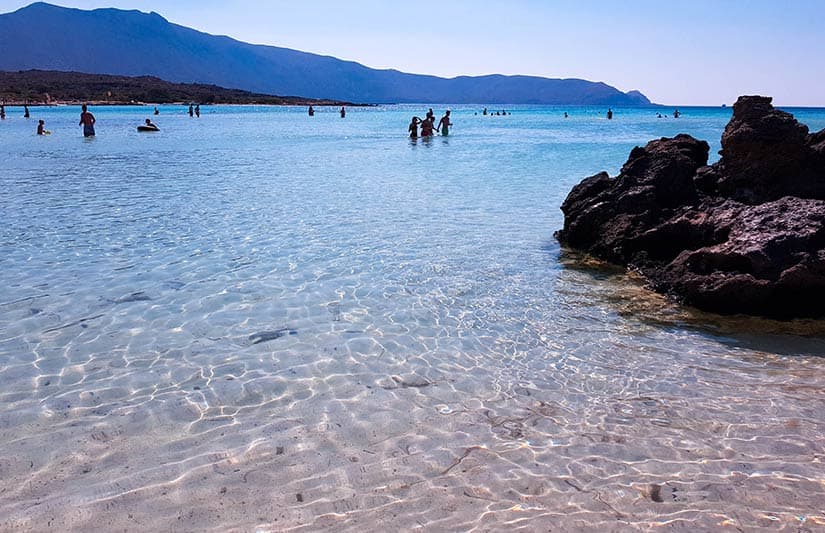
(261, 321)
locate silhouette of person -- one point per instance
(565, 114)
(484, 112)
(343, 112)
(609, 114)
(198, 111)
(26, 111)
(444, 124)
(311, 111)
(2, 112)
(151, 125)
(87, 120)
(676, 114)
(41, 127)
(157, 112)
(191, 110)
(414, 127)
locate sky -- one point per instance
(685, 52)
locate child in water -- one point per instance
(41, 128)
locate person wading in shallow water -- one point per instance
(444, 124)
(414, 127)
(87, 120)
(343, 113)
(427, 127)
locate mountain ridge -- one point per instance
(34, 87)
(133, 43)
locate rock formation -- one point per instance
(745, 235)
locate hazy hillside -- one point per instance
(131, 43)
(37, 86)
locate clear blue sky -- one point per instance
(675, 51)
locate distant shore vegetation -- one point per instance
(41, 87)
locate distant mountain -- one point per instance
(39, 86)
(131, 43)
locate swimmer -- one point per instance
(41, 128)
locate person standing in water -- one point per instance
(41, 127)
(444, 124)
(198, 111)
(343, 112)
(427, 126)
(157, 111)
(609, 114)
(26, 111)
(87, 120)
(191, 110)
(311, 111)
(414, 127)
(2, 111)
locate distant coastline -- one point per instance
(44, 87)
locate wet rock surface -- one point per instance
(745, 235)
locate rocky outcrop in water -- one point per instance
(745, 235)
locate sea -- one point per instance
(258, 320)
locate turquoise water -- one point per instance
(266, 321)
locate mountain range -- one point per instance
(131, 43)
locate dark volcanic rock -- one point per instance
(746, 235)
(605, 216)
(767, 154)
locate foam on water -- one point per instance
(263, 321)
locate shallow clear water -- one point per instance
(265, 321)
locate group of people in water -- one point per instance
(428, 125)
(342, 111)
